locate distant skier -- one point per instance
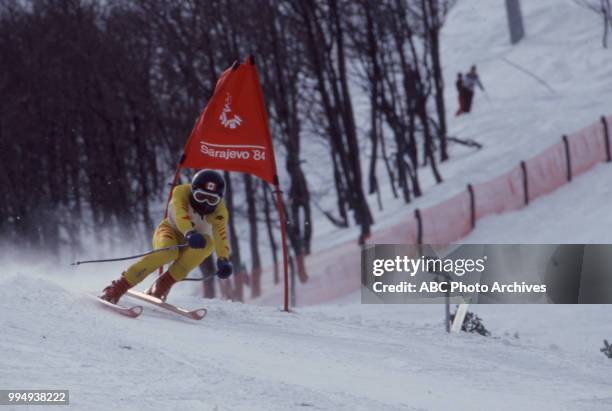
(470, 81)
(196, 216)
(460, 94)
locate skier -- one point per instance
(460, 94)
(470, 81)
(196, 216)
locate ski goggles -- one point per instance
(201, 196)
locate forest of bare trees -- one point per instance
(98, 98)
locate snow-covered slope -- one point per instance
(520, 117)
(349, 357)
(517, 119)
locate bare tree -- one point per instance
(99, 97)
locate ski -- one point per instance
(197, 314)
(132, 312)
(459, 317)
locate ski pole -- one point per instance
(203, 279)
(157, 250)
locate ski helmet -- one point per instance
(207, 189)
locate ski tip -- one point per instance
(132, 312)
(198, 314)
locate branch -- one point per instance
(465, 142)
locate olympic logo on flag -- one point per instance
(227, 121)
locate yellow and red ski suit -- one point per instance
(171, 231)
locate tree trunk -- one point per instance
(270, 230)
(237, 289)
(207, 268)
(249, 188)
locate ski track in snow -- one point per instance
(330, 357)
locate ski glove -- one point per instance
(195, 239)
(224, 267)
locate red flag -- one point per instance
(232, 133)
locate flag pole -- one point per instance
(172, 185)
(279, 196)
(177, 172)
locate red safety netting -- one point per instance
(546, 171)
(587, 148)
(404, 233)
(335, 272)
(341, 269)
(447, 221)
(502, 194)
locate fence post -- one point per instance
(525, 182)
(472, 205)
(568, 157)
(417, 215)
(606, 138)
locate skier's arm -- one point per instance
(219, 220)
(180, 206)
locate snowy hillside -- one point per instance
(347, 357)
(520, 117)
(344, 355)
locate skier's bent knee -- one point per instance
(196, 212)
